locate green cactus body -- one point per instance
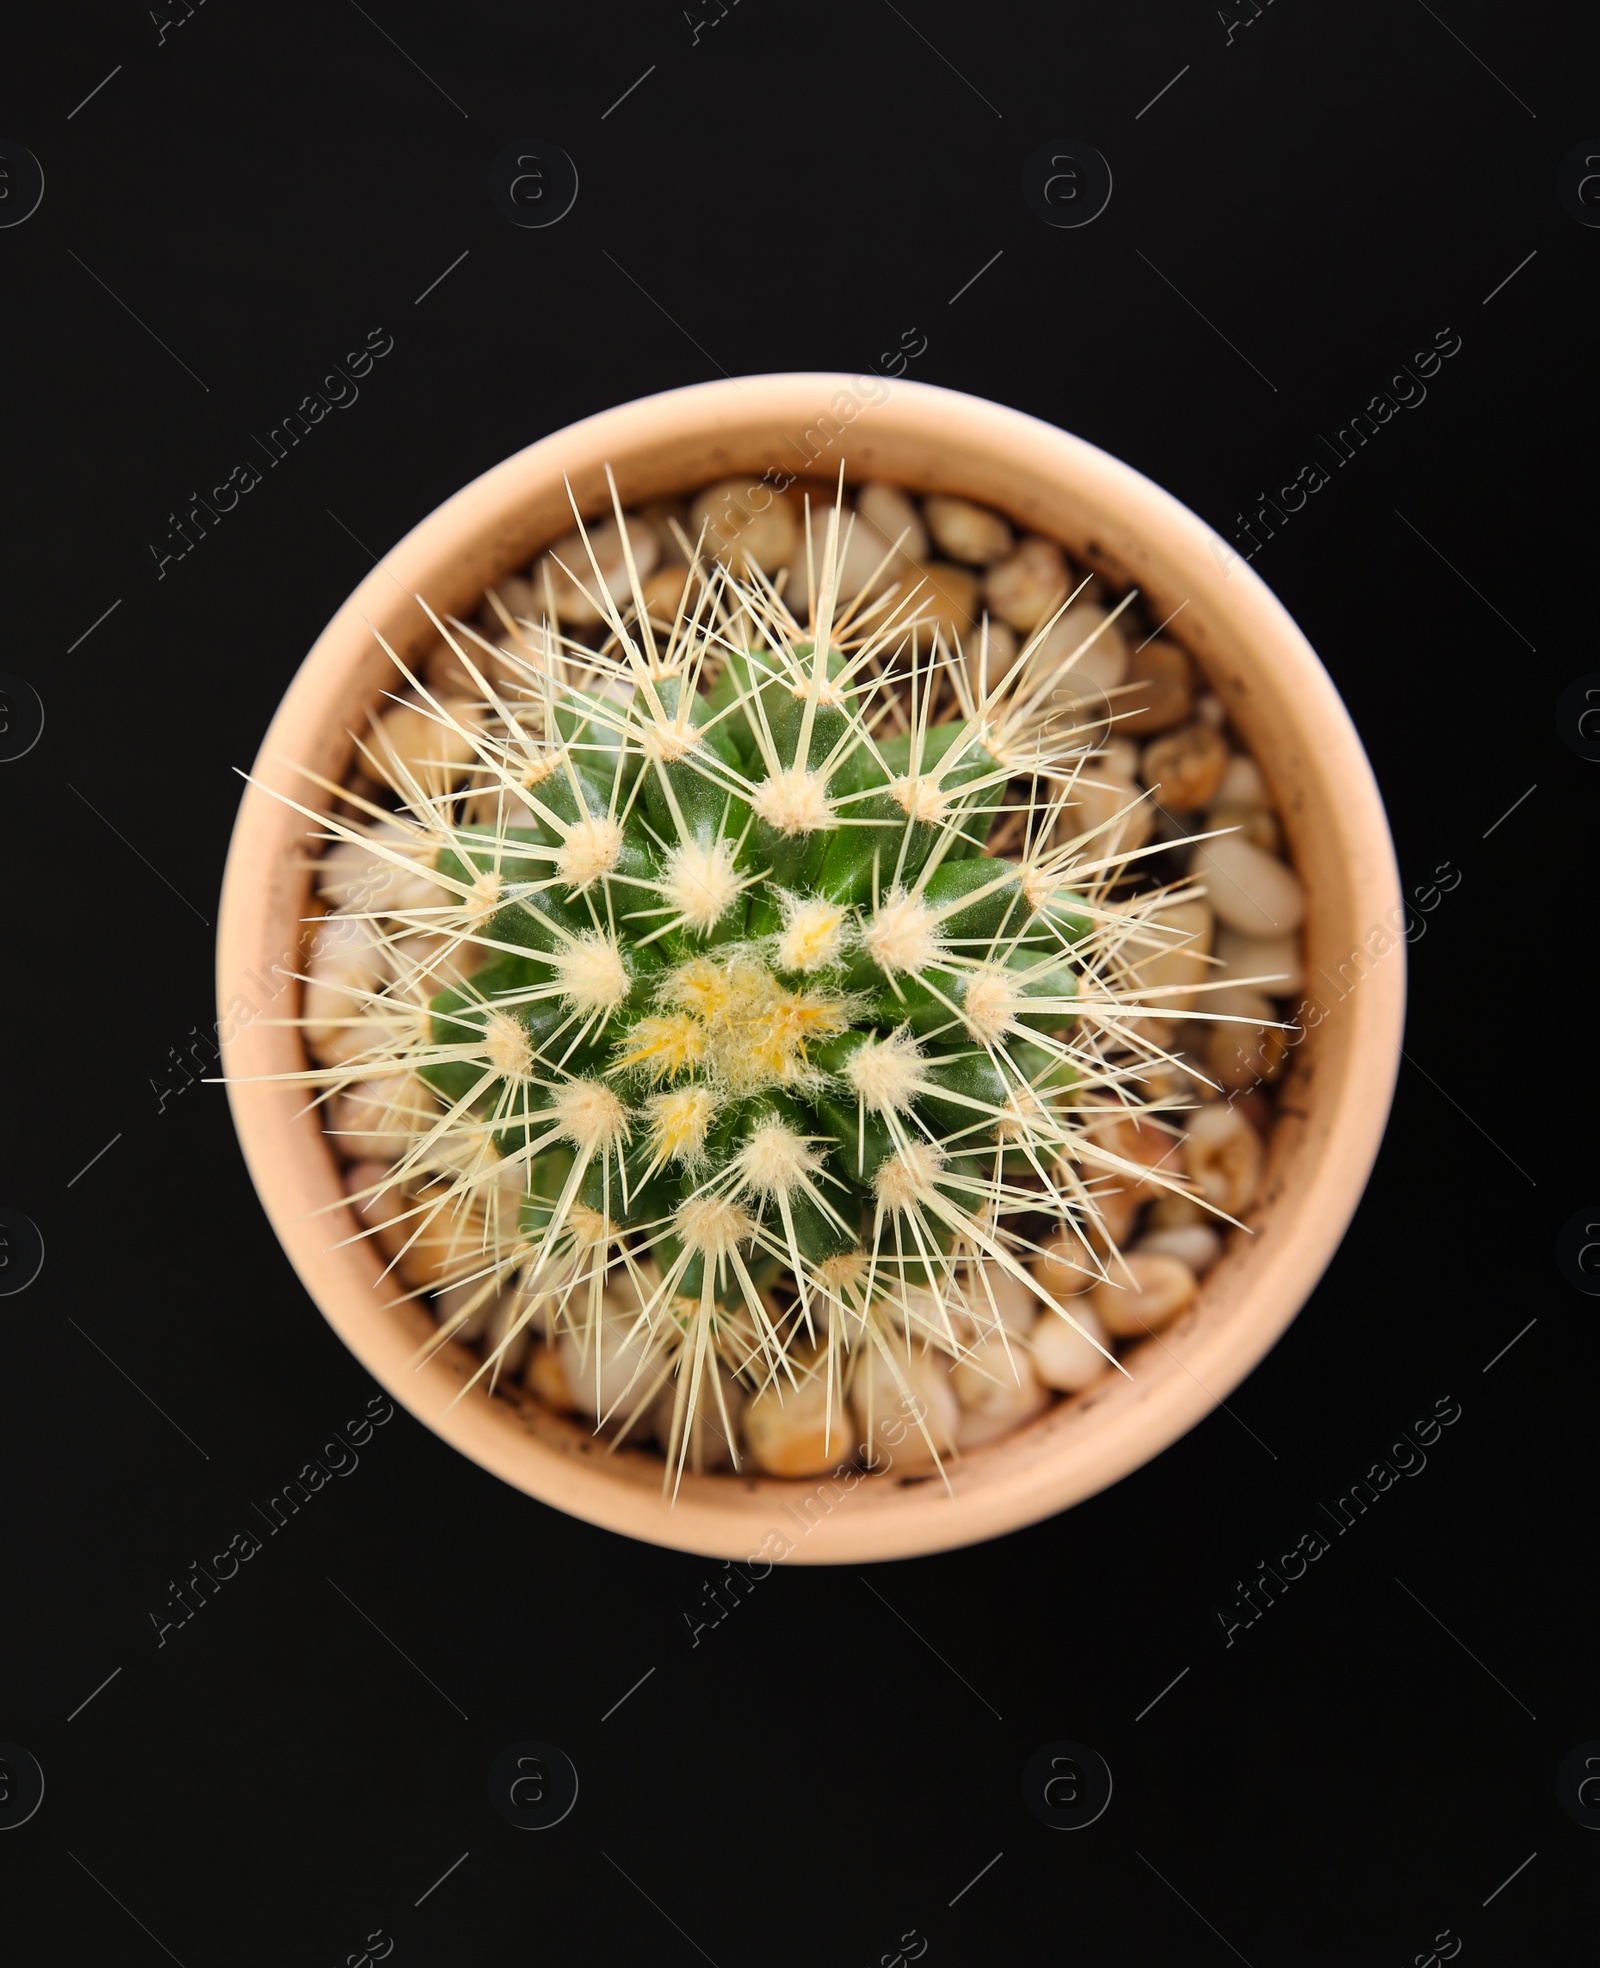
(751, 1014)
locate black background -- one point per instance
(1321, 194)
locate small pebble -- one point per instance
(890, 1419)
(1065, 1357)
(745, 523)
(1164, 695)
(511, 1186)
(998, 1391)
(1250, 891)
(1013, 1305)
(412, 743)
(1112, 1206)
(1257, 825)
(607, 1363)
(489, 1323)
(495, 811)
(450, 1243)
(343, 970)
(943, 597)
(864, 553)
(1112, 810)
(1085, 635)
(1136, 1140)
(894, 515)
(795, 1430)
(445, 672)
(1163, 1287)
(546, 1378)
(663, 515)
(1220, 998)
(1185, 767)
(991, 661)
(377, 1119)
(352, 875)
(1242, 784)
(1222, 1156)
(1027, 584)
(1173, 1211)
(574, 604)
(1169, 1082)
(377, 1213)
(1256, 1108)
(1196, 1243)
(965, 531)
(1065, 1265)
(424, 961)
(713, 1434)
(1170, 955)
(1272, 963)
(663, 593)
(520, 599)
(1239, 1057)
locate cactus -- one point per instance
(691, 963)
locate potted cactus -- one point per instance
(746, 1019)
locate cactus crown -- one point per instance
(738, 1001)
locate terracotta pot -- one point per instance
(1282, 702)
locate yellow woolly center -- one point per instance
(813, 934)
(678, 1122)
(751, 1031)
(667, 1046)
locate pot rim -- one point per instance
(1042, 1468)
